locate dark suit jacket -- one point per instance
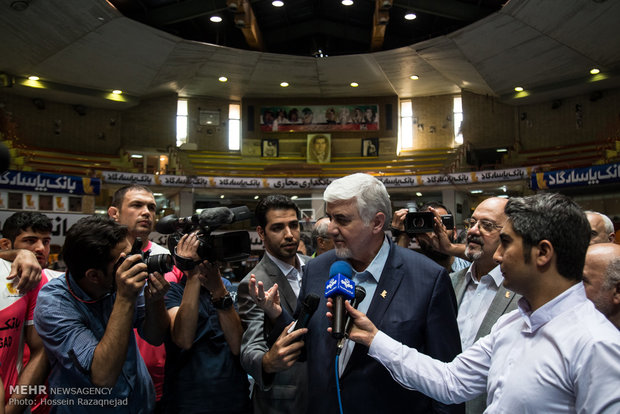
(505, 301)
(419, 310)
(286, 391)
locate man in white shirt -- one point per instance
(556, 354)
(601, 279)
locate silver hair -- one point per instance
(612, 274)
(320, 229)
(369, 193)
(609, 225)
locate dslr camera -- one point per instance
(422, 222)
(232, 246)
(160, 263)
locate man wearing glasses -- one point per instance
(480, 295)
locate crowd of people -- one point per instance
(523, 316)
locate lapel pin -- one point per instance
(507, 294)
(383, 294)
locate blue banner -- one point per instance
(597, 174)
(52, 183)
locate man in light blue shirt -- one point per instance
(85, 320)
(555, 354)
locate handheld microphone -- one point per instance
(360, 294)
(339, 287)
(308, 307)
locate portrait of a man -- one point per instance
(269, 148)
(319, 148)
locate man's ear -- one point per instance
(5, 244)
(615, 296)
(94, 276)
(544, 253)
(113, 213)
(378, 221)
(261, 232)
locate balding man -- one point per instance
(601, 278)
(602, 228)
(321, 238)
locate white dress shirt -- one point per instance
(476, 301)
(292, 274)
(562, 358)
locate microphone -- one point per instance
(308, 307)
(339, 287)
(360, 294)
(209, 217)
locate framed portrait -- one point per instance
(319, 148)
(370, 147)
(269, 148)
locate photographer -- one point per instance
(431, 243)
(85, 318)
(203, 372)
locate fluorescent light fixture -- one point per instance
(215, 19)
(476, 191)
(137, 156)
(158, 194)
(502, 150)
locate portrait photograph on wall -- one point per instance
(318, 148)
(269, 148)
(370, 147)
(319, 118)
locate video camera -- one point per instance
(160, 263)
(232, 246)
(422, 222)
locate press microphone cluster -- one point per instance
(339, 287)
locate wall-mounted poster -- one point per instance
(323, 118)
(370, 147)
(269, 148)
(319, 148)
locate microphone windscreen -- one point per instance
(342, 267)
(360, 294)
(215, 216)
(312, 302)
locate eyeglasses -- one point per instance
(485, 225)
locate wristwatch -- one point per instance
(224, 302)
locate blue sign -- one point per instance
(53, 183)
(597, 174)
(340, 285)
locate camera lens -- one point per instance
(160, 263)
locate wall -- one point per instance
(59, 126)
(433, 122)
(150, 124)
(487, 123)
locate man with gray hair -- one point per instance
(407, 294)
(321, 239)
(601, 278)
(602, 228)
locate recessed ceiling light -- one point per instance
(354, 84)
(117, 92)
(277, 3)
(215, 19)
(414, 77)
(223, 79)
(410, 16)
(419, 194)
(33, 78)
(222, 196)
(256, 197)
(519, 88)
(595, 71)
(284, 84)
(294, 197)
(347, 2)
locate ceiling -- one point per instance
(82, 49)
